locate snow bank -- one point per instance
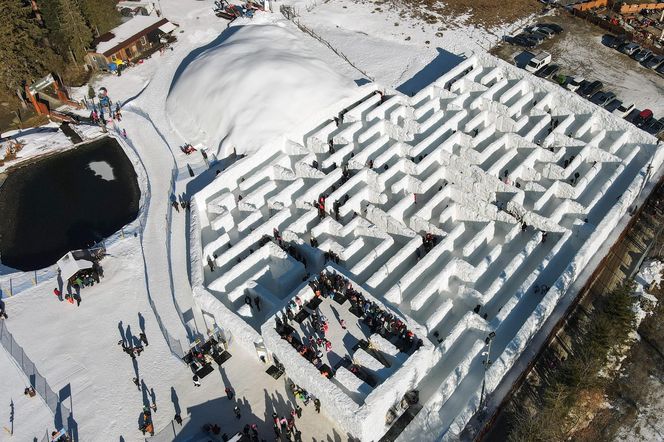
(36, 141)
(649, 277)
(255, 82)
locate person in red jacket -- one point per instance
(57, 293)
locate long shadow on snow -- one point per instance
(440, 65)
(186, 61)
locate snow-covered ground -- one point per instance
(77, 346)
(36, 141)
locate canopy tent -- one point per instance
(70, 266)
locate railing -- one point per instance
(291, 14)
(15, 283)
(36, 380)
(170, 431)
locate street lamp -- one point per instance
(487, 363)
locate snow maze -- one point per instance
(518, 181)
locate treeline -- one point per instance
(40, 36)
(551, 418)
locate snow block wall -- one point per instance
(365, 420)
(512, 181)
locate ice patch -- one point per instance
(102, 169)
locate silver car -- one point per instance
(654, 62)
(629, 48)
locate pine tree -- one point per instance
(74, 34)
(22, 54)
(101, 15)
(618, 307)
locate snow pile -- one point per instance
(649, 276)
(255, 82)
(35, 140)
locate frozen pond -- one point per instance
(64, 202)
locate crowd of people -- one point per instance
(379, 321)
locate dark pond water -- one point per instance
(65, 202)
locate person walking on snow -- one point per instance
(138, 385)
(57, 293)
(343, 324)
(317, 405)
(143, 338)
(197, 383)
(229, 393)
(124, 133)
(178, 419)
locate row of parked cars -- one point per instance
(535, 35)
(646, 57)
(541, 65)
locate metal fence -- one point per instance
(291, 14)
(15, 283)
(36, 380)
(170, 431)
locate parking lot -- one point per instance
(579, 52)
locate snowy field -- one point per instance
(76, 348)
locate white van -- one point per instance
(538, 62)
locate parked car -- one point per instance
(590, 88)
(654, 62)
(629, 48)
(602, 98)
(643, 118)
(548, 71)
(574, 83)
(623, 110)
(548, 33)
(537, 38)
(538, 62)
(613, 105)
(654, 127)
(554, 27)
(522, 40)
(642, 55)
(660, 69)
(615, 42)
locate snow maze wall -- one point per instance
(519, 181)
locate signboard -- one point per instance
(41, 84)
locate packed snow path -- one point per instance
(518, 181)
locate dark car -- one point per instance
(554, 27)
(642, 55)
(654, 127)
(548, 71)
(590, 88)
(613, 105)
(522, 40)
(660, 69)
(534, 36)
(654, 62)
(602, 98)
(613, 41)
(643, 118)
